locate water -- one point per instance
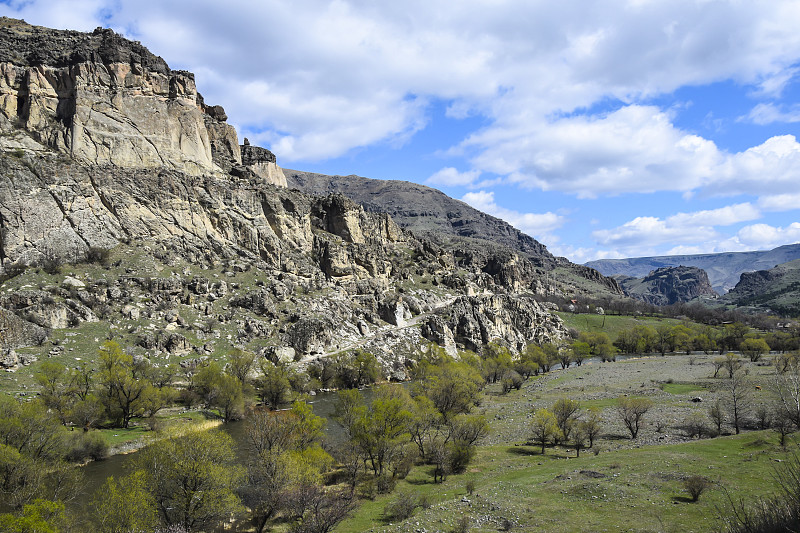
(96, 472)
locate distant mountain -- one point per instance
(723, 269)
(668, 285)
(776, 290)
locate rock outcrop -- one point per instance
(108, 156)
(669, 285)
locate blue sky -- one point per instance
(613, 129)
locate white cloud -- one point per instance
(767, 113)
(694, 230)
(319, 78)
(764, 236)
(780, 202)
(538, 225)
(450, 176)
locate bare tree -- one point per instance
(787, 385)
(632, 411)
(738, 397)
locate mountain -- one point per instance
(668, 285)
(723, 269)
(776, 290)
(450, 222)
(129, 210)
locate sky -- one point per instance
(603, 129)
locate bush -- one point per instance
(402, 506)
(98, 256)
(463, 525)
(696, 486)
(88, 445)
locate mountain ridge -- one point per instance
(724, 269)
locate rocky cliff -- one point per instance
(127, 206)
(669, 285)
(776, 290)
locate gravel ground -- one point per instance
(599, 384)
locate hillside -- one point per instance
(668, 285)
(776, 290)
(723, 269)
(126, 201)
(449, 222)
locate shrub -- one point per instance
(99, 256)
(88, 445)
(463, 525)
(696, 486)
(402, 506)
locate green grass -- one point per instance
(630, 490)
(610, 324)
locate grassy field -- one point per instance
(627, 490)
(627, 485)
(611, 324)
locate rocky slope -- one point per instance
(129, 210)
(776, 290)
(723, 269)
(668, 285)
(453, 223)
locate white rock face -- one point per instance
(116, 113)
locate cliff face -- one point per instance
(776, 290)
(106, 152)
(669, 285)
(101, 99)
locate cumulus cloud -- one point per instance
(695, 230)
(768, 112)
(319, 78)
(451, 176)
(538, 225)
(764, 236)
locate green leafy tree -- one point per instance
(565, 412)
(41, 516)
(453, 388)
(126, 388)
(274, 387)
(192, 478)
(544, 428)
(240, 363)
(125, 505)
(754, 348)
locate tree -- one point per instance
(754, 348)
(54, 380)
(41, 516)
(544, 427)
(127, 390)
(580, 351)
(240, 363)
(565, 412)
(738, 397)
(717, 415)
(591, 425)
(732, 364)
(125, 505)
(664, 338)
(192, 478)
(453, 387)
(632, 412)
(273, 387)
(787, 385)
(425, 420)
(221, 390)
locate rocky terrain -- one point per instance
(723, 269)
(129, 210)
(668, 285)
(776, 290)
